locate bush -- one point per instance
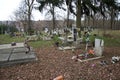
(7, 28)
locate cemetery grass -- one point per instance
(111, 38)
(41, 43)
(6, 39)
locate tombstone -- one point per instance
(6, 32)
(99, 44)
(75, 34)
(46, 30)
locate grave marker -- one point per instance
(99, 44)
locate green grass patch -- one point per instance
(41, 43)
(112, 42)
(6, 39)
(111, 39)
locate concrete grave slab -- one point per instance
(15, 54)
(19, 50)
(89, 59)
(5, 51)
(22, 56)
(85, 59)
(4, 57)
(7, 46)
(66, 48)
(4, 54)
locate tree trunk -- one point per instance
(112, 17)
(85, 21)
(29, 21)
(68, 13)
(53, 15)
(117, 27)
(114, 22)
(104, 28)
(88, 21)
(29, 4)
(78, 17)
(93, 23)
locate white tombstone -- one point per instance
(46, 30)
(99, 44)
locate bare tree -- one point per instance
(29, 4)
(24, 14)
(21, 17)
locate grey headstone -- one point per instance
(99, 44)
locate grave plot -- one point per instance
(67, 48)
(15, 54)
(71, 40)
(91, 54)
(70, 44)
(82, 58)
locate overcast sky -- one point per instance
(7, 7)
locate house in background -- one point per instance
(39, 25)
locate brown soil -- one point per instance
(52, 63)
